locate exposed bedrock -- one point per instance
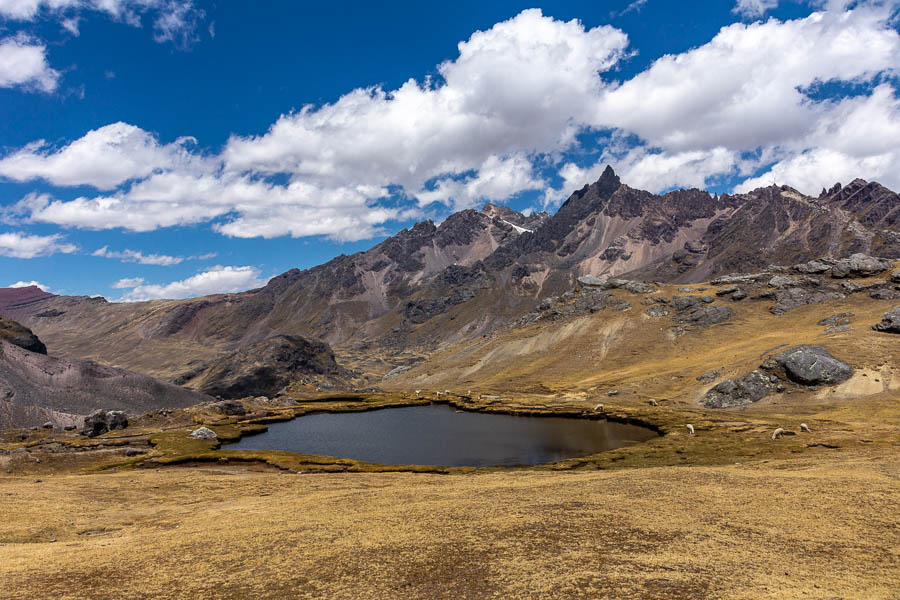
(800, 365)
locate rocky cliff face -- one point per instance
(478, 270)
(266, 367)
(20, 336)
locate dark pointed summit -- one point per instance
(609, 179)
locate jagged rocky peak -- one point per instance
(519, 221)
(602, 189)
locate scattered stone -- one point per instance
(638, 287)
(612, 393)
(738, 296)
(690, 290)
(133, 452)
(781, 281)
(791, 298)
(727, 290)
(890, 321)
(204, 433)
(811, 267)
(711, 376)
(682, 303)
(838, 319)
(895, 276)
(548, 303)
(656, 311)
(592, 281)
(69, 428)
(739, 392)
(707, 299)
(884, 294)
(739, 279)
(635, 287)
(232, 408)
(838, 329)
(47, 425)
(704, 316)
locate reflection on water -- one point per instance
(438, 435)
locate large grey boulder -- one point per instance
(203, 433)
(805, 365)
(812, 267)
(808, 365)
(782, 281)
(706, 315)
(752, 387)
(102, 421)
(681, 303)
(592, 281)
(635, 287)
(791, 298)
(860, 265)
(890, 321)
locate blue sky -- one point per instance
(168, 148)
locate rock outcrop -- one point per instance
(266, 367)
(102, 421)
(21, 336)
(752, 387)
(800, 365)
(890, 322)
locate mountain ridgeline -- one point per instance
(433, 285)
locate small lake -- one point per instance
(438, 435)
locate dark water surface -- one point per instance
(438, 435)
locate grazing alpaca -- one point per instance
(804, 427)
(690, 428)
(777, 433)
(653, 402)
(598, 408)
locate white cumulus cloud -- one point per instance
(217, 280)
(136, 256)
(22, 284)
(127, 283)
(23, 64)
(754, 8)
(21, 245)
(103, 158)
(173, 20)
(499, 119)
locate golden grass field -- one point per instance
(725, 513)
(801, 528)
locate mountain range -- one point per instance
(431, 286)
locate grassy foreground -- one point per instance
(821, 528)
